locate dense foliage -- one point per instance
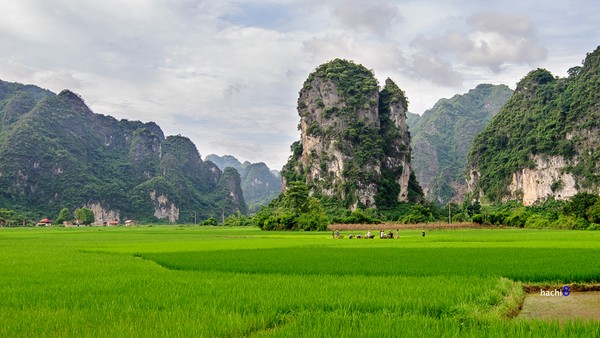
(353, 81)
(441, 138)
(84, 215)
(293, 210)
(56, 153)
(546, 115)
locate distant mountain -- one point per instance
(442, 136)
(56, 153)
(228, 161)
(260, 184)
(544, 142)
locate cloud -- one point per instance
(375, 17)
(491, 40)
(181, 62)
(435, 70)
(381, 55)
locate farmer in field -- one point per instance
(369, 236)
(337, 233)
(423, 233)
(391, 234)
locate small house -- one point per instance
(44, 222)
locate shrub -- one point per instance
(497, 218)
(594, 226)
(477, 218)
(517, 217)
(358, 216)
(210, 222)
(537, 221)
(593, 213)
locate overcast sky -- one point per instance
(226, 73)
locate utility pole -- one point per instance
(449, 214)
(194, 218)
(223, 216)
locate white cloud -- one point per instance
(376, 16)
(227, 73)
(493, 40)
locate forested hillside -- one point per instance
(544, 141)
(56, 153)
(441, 139)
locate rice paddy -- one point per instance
(234, 282)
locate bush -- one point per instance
(580, 204)
(537, 221)
(594, 226)
(358, 216)
(477, 218)
(460, 217)
(210, 222)
(498, 218)
(593, 213)
(517, 217)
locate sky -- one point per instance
(227, 73)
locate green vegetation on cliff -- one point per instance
(355, 144)
(442, 136)
(548, 116)
(56, 153)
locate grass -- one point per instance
(225, 282)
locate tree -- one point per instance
(296, 197)
(63, 216)
(85, 215)
(579, 204)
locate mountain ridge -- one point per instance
(442, 136)
(56, 153)
(543, 142)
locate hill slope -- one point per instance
(56, 153)
(544, 141)
(441, 139)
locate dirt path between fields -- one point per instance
(552, 304)
(419, 226)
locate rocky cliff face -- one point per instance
(354, 140)
(544, 141)
(56, 153)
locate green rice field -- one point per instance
(242, 282)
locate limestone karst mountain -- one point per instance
(355, 145)
(544, 142)
(441, 139)
(259, 184)
(56, 153)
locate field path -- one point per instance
(578, 305)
